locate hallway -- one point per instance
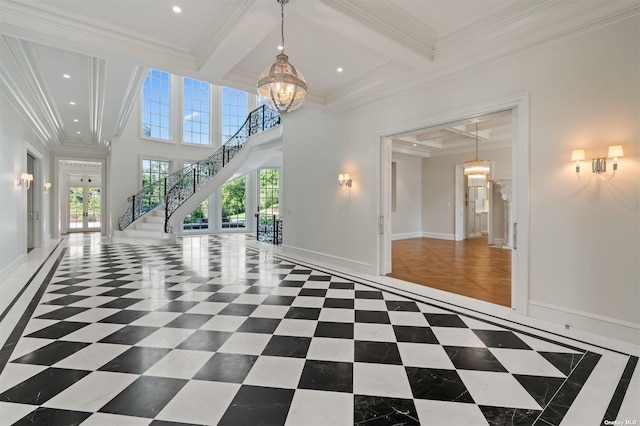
(214, 331)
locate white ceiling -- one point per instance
(105, 46)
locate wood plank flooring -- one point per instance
(470, 268)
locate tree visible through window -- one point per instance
(234, 203)
(269, 191)
(153, 174)
(155, 105)
(195, 111)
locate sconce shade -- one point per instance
(46, 186)
(577, 155)
(27, 177)
(615, 151)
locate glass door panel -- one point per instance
(76, 208)
(84, 208)
(93, 208)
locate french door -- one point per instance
(84, 209)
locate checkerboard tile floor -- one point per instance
(223, 334)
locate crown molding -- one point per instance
(133, 90)
(41, 18)
(22, 106)
(97, 75)
(223, 17)
(30, 68)
(385, 18)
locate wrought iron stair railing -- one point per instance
(179, 186)
(269, 229)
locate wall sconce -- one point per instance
(599, 165)
(46, 186)
(25, 180)
(344, 179)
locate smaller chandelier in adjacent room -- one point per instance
(477, 170)
(281, 86)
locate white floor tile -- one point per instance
(223, 323)
(337, 315)
(337, 293)
(327, 349)
(373, 332)
(93, 332)
(166, 338)
(195, 296)
(308, 302)
(27, 345)
(250, 299)
(296, 327)
(381, 380)
(200, 402)
(438, 413)
(147, 304)
(156, 319)
(11, 413)
(275, 372)
(370, 305)
(179, 364)
(92, 357)
(92, 392)
(497, 390)
(425, 356)
(36, 324)
(103, 419)
(452, 336)
(525, 362)
(14, 374)
(408, 318)
(245, 343)
(93, 315)
(270, 311)
(318, 408)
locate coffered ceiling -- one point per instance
(383, 47)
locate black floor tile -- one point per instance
(203, 340)
(238, 309)
(405, 333)
(58, 330)
(124, 317)
(510, 416)
(177, 306)
(51, 353)
(313, 292)
(222, 297)
(53, 416)
(402, 305)
(327, 376)
(209, 287)
(303, 313)
(338, 303)
(339, 330)
(258, 406)
(129, 335)
(437, 384)
(145, 397)
(278, 300)
(66, 300)
(69, 289)
(542, 389)
(287, 346)
(224, 367)
(135, 360)
(466, 358)
(445, 320)
(377, 352)
(565, 362)
(121, 303)
(115, 283)
(259, 289)
(342, 286)
(368, 294)
(259, 325)
(118, 292)
(374, 410)
(43, 386)
(373, 317)
(62, 313)
(192, 321)
(500, 339)
(319, 278)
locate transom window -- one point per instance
(195, 111)
(155, 105)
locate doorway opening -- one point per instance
(81, 196)
(464, 236)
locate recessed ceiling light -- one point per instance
(415, 144)
(75, 120)
(177, 9)
(72, 103)
(339, 69)
(66, 75)
(78, 133)
(280, 47)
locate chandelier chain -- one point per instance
(282, 23)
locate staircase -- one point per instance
(158, 209)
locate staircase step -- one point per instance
(153, 219)
(150, 226)
(140, 237)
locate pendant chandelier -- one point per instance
(281, 86)
(477, 170)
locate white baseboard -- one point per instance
(406, 236)
(9, 269)
(580, 320)
(439, 236)
(498, 242)
(315, 256)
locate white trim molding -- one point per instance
(439, 236)
(316, 256)
(406, 236)
(586, 321)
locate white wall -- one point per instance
(15, 136)
(583, 240)
(438, 188)
(406, 221)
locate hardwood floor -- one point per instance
(470, 267)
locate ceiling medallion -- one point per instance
(281, 86)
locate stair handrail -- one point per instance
(171, 187)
